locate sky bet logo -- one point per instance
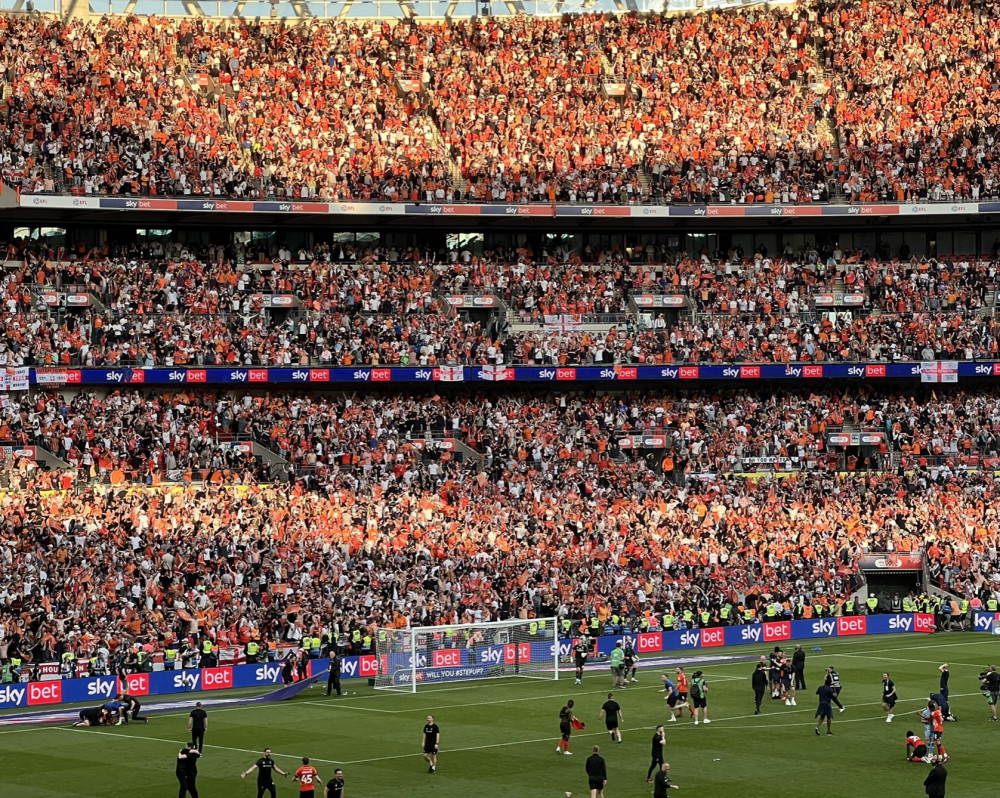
(126, 375)
(750, 634)
(138, 683)
(987, 369)
(103, 688)
(824, 628)
(777, 630)
(713, 637)
(901, 623)
(690, 639)
(270, 674)
(852, 625)
(248, 375)
(11, 696)
(44, 693)
(216, 678)
(187, 680)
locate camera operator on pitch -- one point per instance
(989, 683)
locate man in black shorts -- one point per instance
(580, 653)
(432, 739)
(611, 714)
(197, 724)
(566, 718)
(333, 679)
(629, 669)
(130, 705)
(656, 754)
(94, 716)
(266, 768)
(597, 773)
(335, 786)
(833, 680)
(187, 770)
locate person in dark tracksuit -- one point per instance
(333, 680)
(759, 684)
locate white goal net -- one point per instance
(407, 658)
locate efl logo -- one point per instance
(381, 375)
(319, 375)
(630, 373)
(712, 637)
(257, 375)
(811, 372)
(749, 372)
(447, 658)
(875, 370)
(197, 375)
(688, 372)
(367, 665)
(137, 683)
(44, 693)
(777, 630)
(565, 374)
(649, 641)
(922, 622)
(216, 678)
(853, 625)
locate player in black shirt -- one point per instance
(187, 770)
(432, 738)
(95, 716)
(266, 768)
(566, 718)
(130, 704)
(611, 714)
(597, 773)
(197, 724)
(774, 662)
(335, 786)
(629, 663)
(581, 651)
(656, 754)
(333, 680)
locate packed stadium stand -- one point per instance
(138, 516)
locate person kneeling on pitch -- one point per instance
(916, 749)
(95, 716)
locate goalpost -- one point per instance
(526, 649)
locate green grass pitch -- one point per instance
(499, 737)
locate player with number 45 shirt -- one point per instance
(307, 777)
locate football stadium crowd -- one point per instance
(787, 104)
(551, 517)
(198, 515)
(334, 305)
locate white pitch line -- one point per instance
(354, 707)
(907, 659)
(88, 731)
